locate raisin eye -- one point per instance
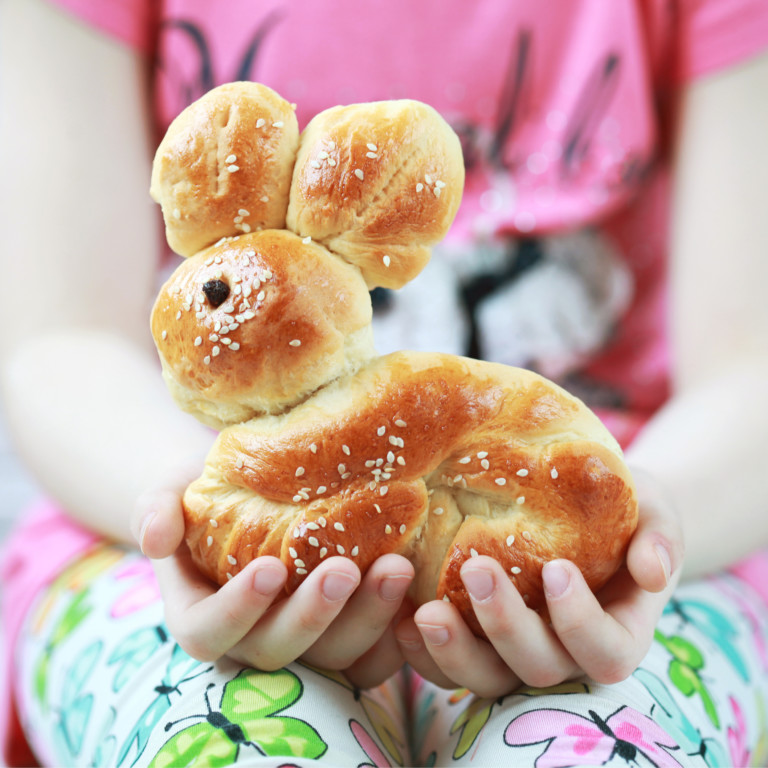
(216, 292)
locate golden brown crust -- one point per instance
(529, 473)
(378, 183)
(224, 166)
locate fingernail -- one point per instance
(393, 587)
(267, 580)
(435, 634)
(556, 579)
(479, 584)
(666, 561)
(337, 586)
(145, 523)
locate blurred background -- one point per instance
(17, 488)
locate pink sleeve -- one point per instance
(130, 21)
(714, 34)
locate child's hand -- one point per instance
(604, 637)
(336, 619)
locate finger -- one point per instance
(366, 615)
(208, 621)
(294, 625)
(655, 552)
(451, 643)
(383, 659)
(417, 656)
(519, 636)
(607, 643)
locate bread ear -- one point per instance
(224, 166)
(379, 184)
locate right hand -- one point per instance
(337, 619)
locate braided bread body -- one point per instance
(431, 456)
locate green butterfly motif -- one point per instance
(245, 718)
(72, 617)
(684, 671)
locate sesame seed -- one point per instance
(306, 240)
(383, 490)
(400, 423)
(264, 199)
(516, 569)
(377, 508)
(313, 448)
(321, 489)
(278, 124)
(522, 472)
(371, 155)
(293, 553)
(295, 343)
(553, 474)
(207, 359)
(372, 147)
(314, 163)
(210, 540)
(313, 526)
(360, 175)
(231, 560)
(520, 499)
(419, 187)
(239, 464)
(313, 542)
(473, 553)
(213, 523)
(323, 551)
(387, 528)
(233, 168)
(527, 535)
(465, 460)
(297, 498)
(340, 549)
(355, 551)
(229, 576)
(438, 511)
(323, 155)
(299, 471)
(234, 346)
(164, 335)
(436, 191)
(301, 571)
(346, 450)
(510, 540)
(401, 461)
(231, 159)
(261, 122)
(341, 469)
(243, 212)
(387, 261)
(485, 464)
(299, 563)
(338, 526)
(331, 162)
(501, 481)
(427, 178)
(380, 431)
(322, 521)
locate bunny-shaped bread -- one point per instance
(264, 332)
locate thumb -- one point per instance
(157, 522)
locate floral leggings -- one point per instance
(103, 683)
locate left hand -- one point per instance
(603, 636)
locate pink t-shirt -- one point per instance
(557, 259)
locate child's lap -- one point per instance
(102, 682)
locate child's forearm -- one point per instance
(89, 414)
(708, 448)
